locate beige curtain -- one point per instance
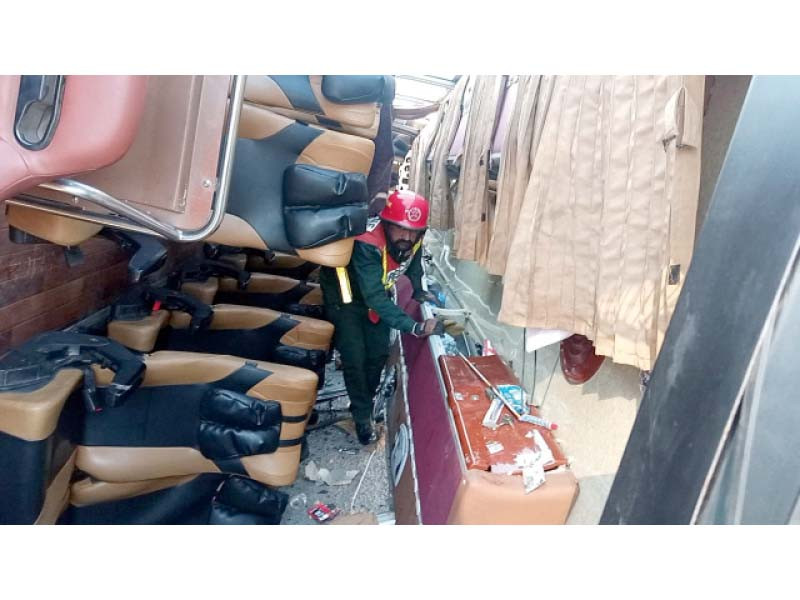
(440, 198)
(604, 233)
(471, 221)
(420, 148)
(516, 161)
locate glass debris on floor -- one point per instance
(333, 450)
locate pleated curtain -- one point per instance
(605, 230)
(441, 197)
(516, 161)
(594, 221)
(419, 176)
(471, 220)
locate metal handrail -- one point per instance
(142, 221)
(54, 207)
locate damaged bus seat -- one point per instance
(296, 189)
(37, 459)
(207, 499)
(348, 103)
(300, 298)
(183, 322)
(222, 282)
(202, 413)
(53, 125)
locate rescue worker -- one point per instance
(390, 248)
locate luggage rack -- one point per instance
(127, 217)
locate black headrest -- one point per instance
(310, 186)
(322, 205)
(358, 89)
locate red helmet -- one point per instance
(406, 209)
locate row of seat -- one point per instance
(183, 322)
(149, 459)
(193, 405)
(78, 403)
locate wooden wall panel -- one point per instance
(40, 292)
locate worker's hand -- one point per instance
(428, 327)
(425, 296)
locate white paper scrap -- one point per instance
(532, 478)
(494, 447)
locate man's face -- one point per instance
(402, 239)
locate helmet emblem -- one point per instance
(413, 214)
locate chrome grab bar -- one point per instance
(139, 220)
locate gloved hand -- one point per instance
(453, 328)
(425, 296)
(428, 327)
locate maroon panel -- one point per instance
(435, 448)
(405, 495)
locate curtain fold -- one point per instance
(471, 220)
(418, 177)
(516, 162)
(441, 196)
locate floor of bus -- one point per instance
(367, 498)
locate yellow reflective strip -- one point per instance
(344, 285)
(385, 264)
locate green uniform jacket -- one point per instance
(366, 271)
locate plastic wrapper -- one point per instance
(515, 397)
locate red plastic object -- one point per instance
(322, 513)
(579, 362)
